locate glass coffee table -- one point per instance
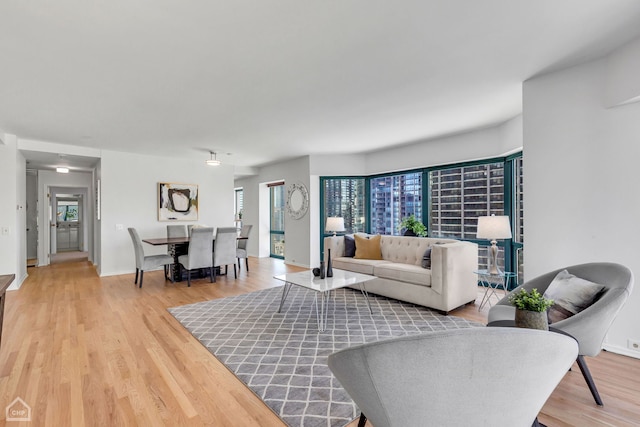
(323, 288)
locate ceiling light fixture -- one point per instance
(213, 161)
(62, 170)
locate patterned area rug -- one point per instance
(282, 357)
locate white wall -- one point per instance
(130, 197)
(581, 163)
(9, 246)
(21, 218)
(301, 237)
(480, 144)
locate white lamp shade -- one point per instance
(494, 227)
(334, 223)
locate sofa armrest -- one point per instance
(453, 266)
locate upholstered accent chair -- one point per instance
(199, 255)
(224, 250)
(589, 327)
(455, 377)
(147, 262)
(241, 251)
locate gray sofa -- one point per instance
(448, 284)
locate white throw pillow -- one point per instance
(571, 295)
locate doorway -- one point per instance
(69, 220)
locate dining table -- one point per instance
(178, 246)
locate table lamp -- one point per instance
(335, 224)
(493, 228)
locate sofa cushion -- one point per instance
(404, 273)
(364, 266)
(349, 246)
(368, 248)
(571, 295)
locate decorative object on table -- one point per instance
(177, 202)
(412, 226)
(297, 203)
(334, 224)
(329, 268)
(322, 269)
(493, 228)
(531, 309)
(316, 272)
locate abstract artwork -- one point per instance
(177, 202)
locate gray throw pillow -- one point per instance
(571, 295)
(426, 258)
(349, 246)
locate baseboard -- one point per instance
(297, 264)
(622, 350)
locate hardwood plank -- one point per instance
(84, 350)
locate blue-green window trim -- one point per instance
(510, 246)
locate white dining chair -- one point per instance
(241, 250)
(147, 262)
(199, 255)
(224, 251)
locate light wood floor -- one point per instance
(83, 350)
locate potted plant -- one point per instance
(531, 309)
(412, 226)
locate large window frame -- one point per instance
(512, 205)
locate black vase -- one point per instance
(329, 269)
(322, 269)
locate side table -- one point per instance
(491, 282)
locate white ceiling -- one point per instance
(275, 79)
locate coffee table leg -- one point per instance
(366, 296)
(285, 292)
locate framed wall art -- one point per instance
(177, 202)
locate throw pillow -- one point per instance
(571, 295)
(426, 258)
(368, 248)
(349, 246)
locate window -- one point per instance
(448, 199)
(238, 203)
(277, 199)
(394, 197)
(345, 197)
(460, 195)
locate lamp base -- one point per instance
(493, 258)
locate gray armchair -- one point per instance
(241, 251)
(475, 376)
(148, 262)
(589, 327)
(224, 251)
(199, 255)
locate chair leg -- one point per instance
(214, 273)
(587, 376)
(188, 278)
(235, 274)
(239, 264)
(135, 282)
(363, 420)
(246, 261)
(141, 277)
(211, 273)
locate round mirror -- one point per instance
(297, 201)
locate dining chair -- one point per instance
(224, 250)
(147, 262)
(471, 376)
(199, 253)
(241, 250)
(177, 231)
